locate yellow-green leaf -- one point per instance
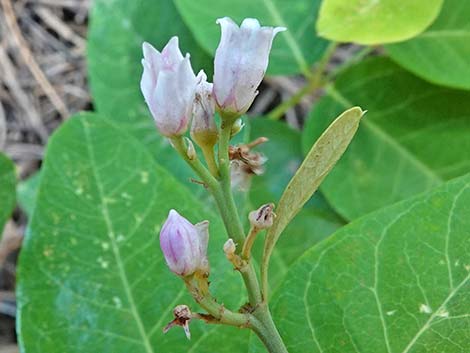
(317, 164)
(375, 21)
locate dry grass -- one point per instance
(42, 81)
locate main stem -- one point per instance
(266, 330)
(229, 211)
(262, 324)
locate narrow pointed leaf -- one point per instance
(312, 224)
(317, 164)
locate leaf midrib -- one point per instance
(116, 252)
(435, 314)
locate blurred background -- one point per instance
(42, 81)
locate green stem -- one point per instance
(223, 197)
(194, 163)
(266, 330)
(209, 156)
(221, 314)
(315, 81)
(260, 321)
(232, 219)
(248, 244)
(229, 211)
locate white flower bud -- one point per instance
(203, 128)
(240, 63)
(168, 84)
(229, 248)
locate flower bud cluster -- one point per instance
(175, 95)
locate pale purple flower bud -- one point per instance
(184, 245)
(168, 84)
(241, 61)
(203, 128)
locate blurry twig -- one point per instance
(3, 127)
(9, 79)
(25, 52)
(9, 349)
(10, 241)
(60, 27)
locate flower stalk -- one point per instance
(176, 96)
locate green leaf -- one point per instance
(117, 30)
(440, 54)
(7, 189)
(27, 191)
(375, 21)
(312, 224)
(397, 280)
(317, 164)
(91, 275)
(293, 51)
(414, 137)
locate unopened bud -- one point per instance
(168, 84)
(240, 63)
(182, 317)
(229, 248)
(184, 245)
(263, 217)
(191, 151)
(237, 127)
(203, 128)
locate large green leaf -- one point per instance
(440, 54)
(7, 189)
(117, 30)
(397, 280)
(91, 275)
(293, 51)
(375, 21)
(414, 136)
